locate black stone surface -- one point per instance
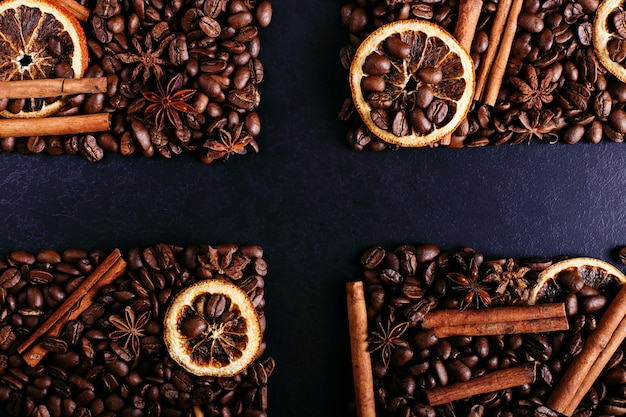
(314, 205)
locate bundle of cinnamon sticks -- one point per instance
(446, 323)
(68, 125)
(111, 268)
(493, 63)
(53, 88)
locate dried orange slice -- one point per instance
(27, 28)
(412, 83)
(212, 329)
(609, 37)
(594, 272)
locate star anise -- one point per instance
(475, 291)
(224, 261)
(386, 338)
(148, 60)
(535, 125)
(229, 143)
(169, 102)
(509, 279)
(532, 93)
(130, 330)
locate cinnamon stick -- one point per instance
(495, 37)
(464, 32)
(52, 87)
(452, 317)
(108, 271)
(499, 66)
(78, 10)
(598, 349)
(510, 327)
(598, 367)
(361, 361)
(67, 125)
(494, 381)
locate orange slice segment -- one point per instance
(412, 83)
(609, 37)
(594, 272)
(27, 28)
(212, 329)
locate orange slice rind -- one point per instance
(25, 29)
(433, 52)
(602, 35)
(595, 272)
(226, 342)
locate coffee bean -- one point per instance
(376, 64)
(10, 277)
(594, 303)
(263, 14)
(571, 280)
(430, 75)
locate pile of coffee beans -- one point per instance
(137, 45)
(89, 370)
(404, 284)
(554, 89)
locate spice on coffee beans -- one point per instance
(111, 358)
(423, 361)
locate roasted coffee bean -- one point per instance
(571, 280)
(263, 14)
(594, 303)
(54, 345)
(376, 64)
(10, 277)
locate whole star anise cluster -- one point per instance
(470, 284)
(167, 103)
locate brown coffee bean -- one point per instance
(430, 75)
(458, 370)
(571, 304)
(373, 83)
(376, 64)
(571, 280)
(397, 47)
(263, 14)
(54, 345)
(10, 277)
(615, 376)
(594, 303)
(420, 122)
(424, 339)
(440, 372)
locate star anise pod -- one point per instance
(130, 330)
(509, 279)
(386, 338)
(229, 143)
(169, 102)
(532, 93)
(535, 125)
(149, 61)
(224, 261)
(475, 291)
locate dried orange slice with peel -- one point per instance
(211, 328)
(595, 273)
(412, 83)
(603, 35)
(26, 27)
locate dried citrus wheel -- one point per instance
(212, 329)
(412, 83)
(35, 36)
(594, 273)
(609, 37)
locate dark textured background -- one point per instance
(315, 205)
